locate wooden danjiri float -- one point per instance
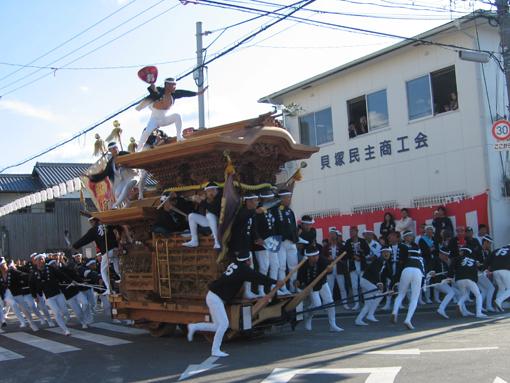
(163, 284)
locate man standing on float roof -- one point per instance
(162, 101)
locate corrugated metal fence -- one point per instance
(39, 232)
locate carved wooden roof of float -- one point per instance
(258, 148)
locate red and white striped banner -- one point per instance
(469, 212)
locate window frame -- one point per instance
(365, 96)
(431, 92)
(314, 113)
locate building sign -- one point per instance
(385, 148)
(469, 212)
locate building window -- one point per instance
(316, 128)
(433, 93)
(49, 207)
(367, 113)
(444, 90)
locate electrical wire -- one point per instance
(68, 40)
(340, 26)
(90, 52)
(113, 115)
(364, 15)
(132, 66)
(252, 35)
(84, 45)
(72, 138)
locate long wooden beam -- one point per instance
(306, 291)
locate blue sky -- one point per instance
(44, 112)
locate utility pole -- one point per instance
(504, 32)
(199, 76)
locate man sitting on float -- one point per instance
(208, 216)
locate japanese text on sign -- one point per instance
(385, 148)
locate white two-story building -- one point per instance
(407, 126)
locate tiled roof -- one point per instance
(19, 183)
(46, 175)
(51, 174)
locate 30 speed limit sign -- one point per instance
(501, 130)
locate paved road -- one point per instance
(456, 350)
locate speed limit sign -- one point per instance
(501, 130)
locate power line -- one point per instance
(90, 52)
(366, 15)
(113, 115)
(252, 35)
(132, 66)
(75, 136)
(237, 24)
(83, 46)
(335, 26)
(68, 40)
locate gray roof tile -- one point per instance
(19, 183)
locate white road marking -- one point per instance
(41, 343)
(8, 355)
(91, 337)
(408, 351)
(375, 375)
(417, 351)
(499, 380)
(118, 328)
(194, 369)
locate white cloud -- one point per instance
(84, 88)
(29, 110)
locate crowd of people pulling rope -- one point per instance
(272, 253)
(269, 254)
(270, 250)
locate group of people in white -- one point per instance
(49, 282)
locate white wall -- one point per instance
(457, 159)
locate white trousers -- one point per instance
(2, 313)
(410, 280)
(121, 191)
(371, 303)
(446, 289)
(207, 220)
(318, 298)
(54, 305)
(23, 307)
(86, 309)
(29, 300)
(61, 301)
(355, 277)
(105, 264)
(268, 262)
(74, 304)
(10, 302)
(340, 281)
(157, 120)
(467, 286)
(487, 289)
(502, 279)
(219, 318)
(91, 297)
(287, 256)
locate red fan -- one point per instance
(149, 74)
